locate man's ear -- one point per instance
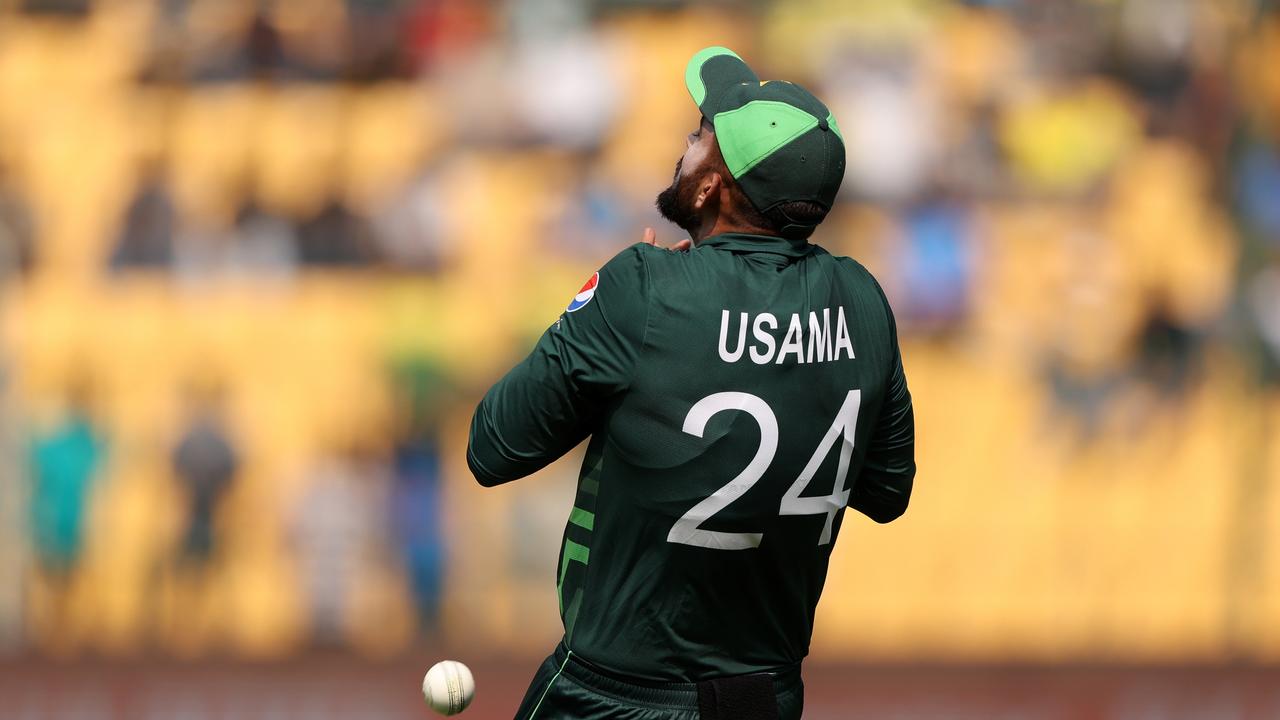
(708, 189)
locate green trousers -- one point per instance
(567, 688)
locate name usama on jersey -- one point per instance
(810, 340)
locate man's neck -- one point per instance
(721, 226)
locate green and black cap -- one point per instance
(780, 143)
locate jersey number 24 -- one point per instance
(688, 530)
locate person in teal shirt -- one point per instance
(63, 463)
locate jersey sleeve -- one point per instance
(884, 486)
(555, 398)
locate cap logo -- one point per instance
(584, 295)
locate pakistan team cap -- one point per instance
(779, 141)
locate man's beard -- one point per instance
(676, 203)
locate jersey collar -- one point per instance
(747, 243)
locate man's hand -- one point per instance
(651, 238)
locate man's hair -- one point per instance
(773, 220)
(797, 212)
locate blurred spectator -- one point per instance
(1154, 45)
(271, 42)
(974, 160)
(1081, 395)
(262, 50)
(1093, 319)
(1169, 352)
(440, 31)
(336, 237)
(264, 243)
(310, 41)
(417, 514)
(410, 229)
(1257, 189)
(201, 249)
(886, 106)
(17, 233)
(64, 462)
(1064, 139)
(64, 8)
(567, 86)
(1064, 38)
(261, 243)
(374, 37)
(934, 264)
(205, 463)
(170, 43)
(338, 527)
(247, 47)
(147, 239)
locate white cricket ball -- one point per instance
(448, 687)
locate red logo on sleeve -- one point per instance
(584, 295)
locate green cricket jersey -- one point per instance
(738, 397)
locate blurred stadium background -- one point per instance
(259, 259)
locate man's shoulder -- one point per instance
(628, 269)
(622, 283)
(855, 274)
(632, 263)
(645, 265)
(843, 262)
(847, 265)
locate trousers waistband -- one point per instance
(672, 695)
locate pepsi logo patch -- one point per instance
(584, 295)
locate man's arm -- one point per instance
(556, 397)
(884, 487)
